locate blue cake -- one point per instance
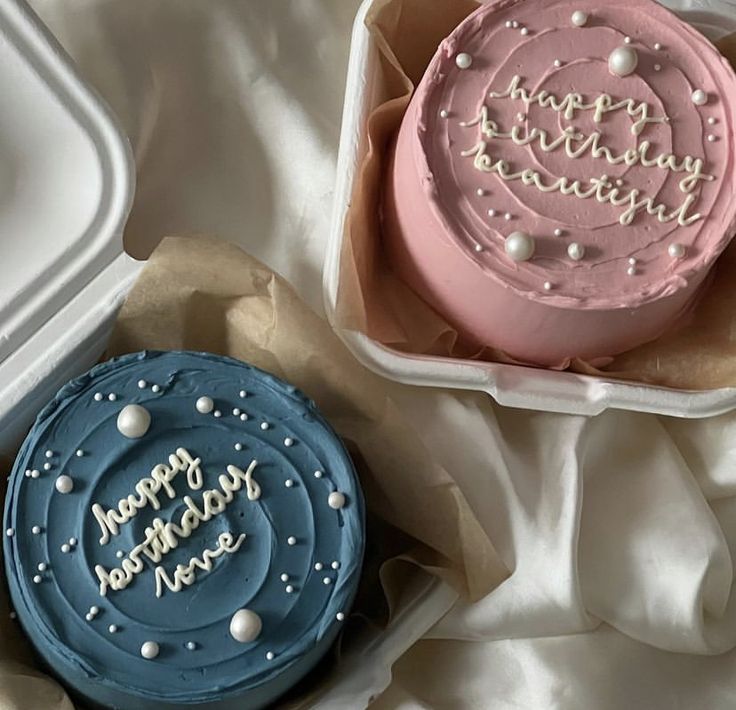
(182, 530)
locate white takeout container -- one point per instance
(510, 385)
(66, 186)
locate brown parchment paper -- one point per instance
(200, 293)
(697, 355)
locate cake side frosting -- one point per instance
(530, 125)
(182, 528)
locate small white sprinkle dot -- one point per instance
(521, 117)
(491, 213)
(142, 384)
(10, 532)
(238, 447)
(37, 579)
(42, 566)
(46, 467)
(89, 617)
(112, 396)
(217, 413)
(80, 453)
(631, 271)
(318, 566)
(699, 97)
(98, 396)
(36, 530)
(478, 247)
(35, 473)
(318, 474)
(335, 565)
(657, 46)
(28, 473)
(288, 441)
(480, 192)
(632, 261)
(65, 547)
(72, 541)
(243, 393)
(657, 67)
(676, 251)
(288, 483)
(326, 580)
(289, 588)
(514, 24)
(557, 63)
(627, 40)
(508, 24)
(191, 646)
(243, 417)
(284, 577)
(113, 629)
(120, 554)
(507, 216)
(156, 388)
(236, 412)
(547, 286)
(269, 656)
(712, 121)
(94, 610)
(712, 138)
(336, 500)
(443, 113)
(340, 616)
(619, 182)
(558, 232)
(524, 31)
(291, 540)
(49, 454)
(265, 426)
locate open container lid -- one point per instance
(66, 186)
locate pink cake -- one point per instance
(563, 179)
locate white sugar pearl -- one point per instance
(524, 31)
(558, 232)
(94, 610)
(463, 60)
(288, 483)
(519, 246)
(318, 566)
(676, 251)
(336, 500)
(288, 441)
(245, 626)
(326, 580)
(478, 247)
(480, 192)
(631, 271)
(627, 40)
(335, 564)
(340, 616)
(291, 540)
(265, 426)
(10, 532)
(204, 405)
(508, 24)
(36, 473)
(37, 579)
(36, 530)
(284, 577)
(514, 24)
(712, 121)
(217, 414)
(444, 113)
(632, 261)
(521, 117)
(318, 474)
(142, 384)
(657, 67)
(120, 554)
(289, 589)
(149, 650)
(191, 646)
(491, 212)
(98, 397)
(133, 421)
(113, 629)
(622, 61)
(699, 97)
(576, 251)
(579, 18)
(72, 541)
(28, 473)
(243, 417)
(156, 388)
(657, 46)
(236, 412)
(243, 394)
(65, 547)
(46, 467)
(712, 138)
(507, 216)
(42, 566)
(557, 63)
(238, 447)
(89, 617)
(49, 454)
(112, 397)
(80, 453)
(547, 285)
(269, 656)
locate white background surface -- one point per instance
(617, 529)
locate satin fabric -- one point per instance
(617, 529)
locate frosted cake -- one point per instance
(563, 179)
(182, 530)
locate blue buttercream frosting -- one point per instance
(297, 567)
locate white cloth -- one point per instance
(618, 529)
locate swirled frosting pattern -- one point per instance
(293, 537)
(539, 43)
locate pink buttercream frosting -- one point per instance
(449, 212)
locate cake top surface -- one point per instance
(182, 526)
(599, 135)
